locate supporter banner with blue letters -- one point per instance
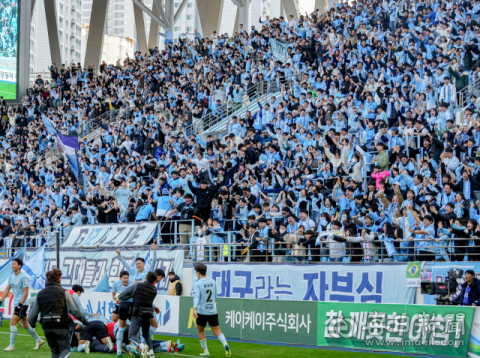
(378, 283)
(87, 267)
(119, 235)
(279, 50)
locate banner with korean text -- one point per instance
(415, 329)
(375, 283)
(87, 267)
(258, 320)
(119, 235)
(279, 50)
(167, 319)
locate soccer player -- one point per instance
(123, 310)
(139, 273)
(19, 284)
(205, 309)
(143, 295)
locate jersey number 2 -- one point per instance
(209, 293)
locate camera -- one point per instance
(444, 289)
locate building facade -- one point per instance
(69, 14)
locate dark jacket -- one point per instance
(473, 295)
(53, 299)
(204, 197)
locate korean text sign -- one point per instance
(258, 320)
(325, 283)
(419, 329)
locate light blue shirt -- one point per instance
(204, 296)
(17, 284)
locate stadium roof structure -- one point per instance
(163, 16)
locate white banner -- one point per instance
(167, 320)
(114, 235)
(87, 267)
(279, 50)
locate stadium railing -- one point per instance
(465, 94)
(261, 90)
(231, 251)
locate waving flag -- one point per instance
(49, 125)
(35, 269)
(70, 150)
(167, 36)
(103, 284)
(6, 270)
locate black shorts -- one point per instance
(22, 313)
(125, 310)
(116, 309)
(211, 319)
(94, 329)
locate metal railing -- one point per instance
(228, 249)
(228, 108)
(91, 128)
(465, 94)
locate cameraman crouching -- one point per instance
(470, 295)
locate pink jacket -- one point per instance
(379, 176)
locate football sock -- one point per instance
(203, 343)
(13, 335)
(33, 334)
(80, 347)
(222, 339)
(119, 337)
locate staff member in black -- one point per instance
(204, 194)
(54, 304)
(143, 295)
(186, 210)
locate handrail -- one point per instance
(465, 93)
(228, 108)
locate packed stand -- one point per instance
(359, 160)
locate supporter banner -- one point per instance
(256, 320)
(279, 50)
(414, 329)
(87, 267)
(336, 282)
(167, 319)
(118, 235)
(413, 274)
(437, 271)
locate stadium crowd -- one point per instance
(363, 141)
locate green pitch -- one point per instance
(25, 343)
(8, 90)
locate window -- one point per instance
(179, 17)
(61, 20)
(177, 28)
(118, 22)
(119, 7)
(119, 15)
(189, 17)
(118, 31)
(177, 4)
(189, 5)
(189, 29)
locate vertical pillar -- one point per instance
(210, 12)
(291, 9)
(154, 29)
(244, 15)
(320, 4)
(52, 28)
(170, 13)
(25, 20)
(236, 26)
(96, 33)
(140, 29)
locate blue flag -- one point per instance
(51, 130)
(168, 37)
(6, 270)
(103, 284)
(35, 269)
(70, 149)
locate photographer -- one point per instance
(470, 294)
